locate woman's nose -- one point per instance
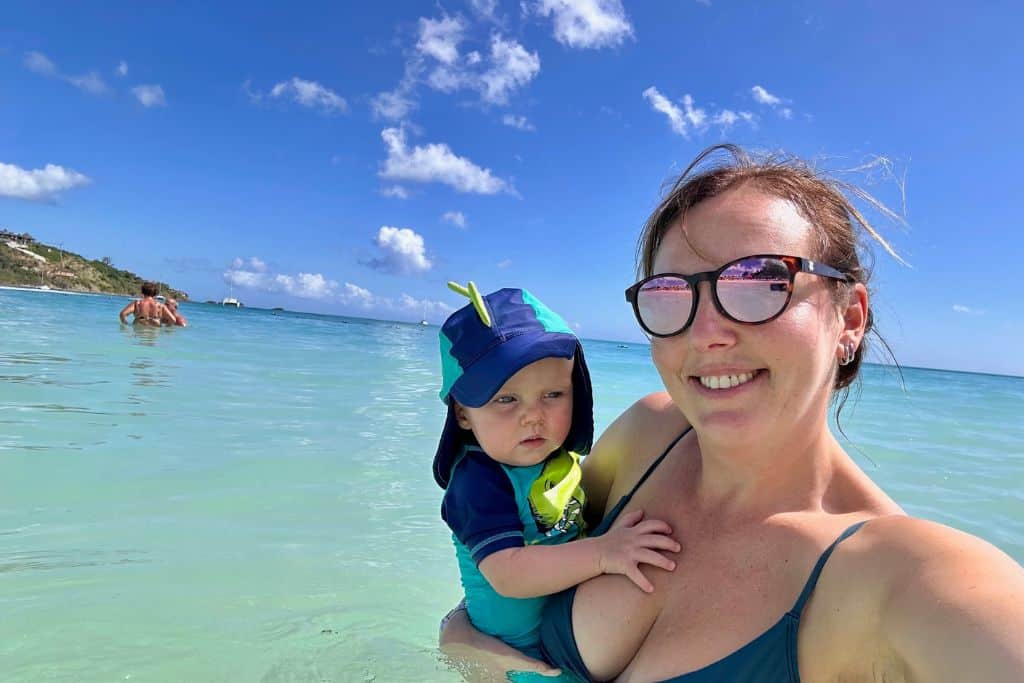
(710, 329)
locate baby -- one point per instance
(520, 414)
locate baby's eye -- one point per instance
(504, 399)
(556, 394)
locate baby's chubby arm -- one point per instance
(536, 570)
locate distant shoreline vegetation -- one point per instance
(26, 262)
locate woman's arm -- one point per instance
(480, 657)
(954, 608)
(123, 315)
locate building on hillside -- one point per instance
(8, 236)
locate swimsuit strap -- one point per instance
(654, 465)
(816, 572)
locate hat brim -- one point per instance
(486, 375)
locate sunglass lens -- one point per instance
(664, 304)
(753, 290)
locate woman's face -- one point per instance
(784, 368)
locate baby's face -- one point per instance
(529, 416)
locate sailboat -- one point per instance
(423, 320)
(230, 300)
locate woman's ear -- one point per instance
(855, 315)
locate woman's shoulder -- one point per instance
(902, 584)
(630, 444)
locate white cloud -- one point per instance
(440, 38)
(354, 294)
(309, 94)
(39, 63)
(149, 95)
(960, 308)
(762, 96)
(90, 82)
(587, 23)
(393, 105)
(512, 67)
(488, 9)
(690, 117)
(404, 251)
(661, 103)
(396, 191)
(436, 163)
(122, 69)
(456, 218)
(39, 184)
(505, 263)
(252, 274)
(306, 285)
(519, 122)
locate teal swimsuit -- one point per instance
(769, 658)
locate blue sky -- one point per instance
(352, 157)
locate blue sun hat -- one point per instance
(486, 342)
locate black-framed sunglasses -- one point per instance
(750, 290)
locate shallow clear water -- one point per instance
(250, 498)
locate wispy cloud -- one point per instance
(41, 184)
(587, 23)
(122, 68)
(404, 252)
(967, 310)
(440, 38)
(456, 218)
(518, 122)
(252, 273)
(309, 94)
(691, 118)
(39, 63)
(504, 263)
(512, 67)
(150, 95)
(90, 82)
(396, 191)
(437, 61)
(436, 163)
(354, 294)
(762, 96)
(394, 105)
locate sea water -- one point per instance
(250, 498)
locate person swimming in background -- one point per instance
(147, 310)
(172, 306)
(520, 414)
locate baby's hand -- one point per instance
(632, 542)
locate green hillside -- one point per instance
(28, 263)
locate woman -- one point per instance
(147, 310)
(795, 566)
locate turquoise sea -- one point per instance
(250, 498)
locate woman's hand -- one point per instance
(633, 541)
(481, 658)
